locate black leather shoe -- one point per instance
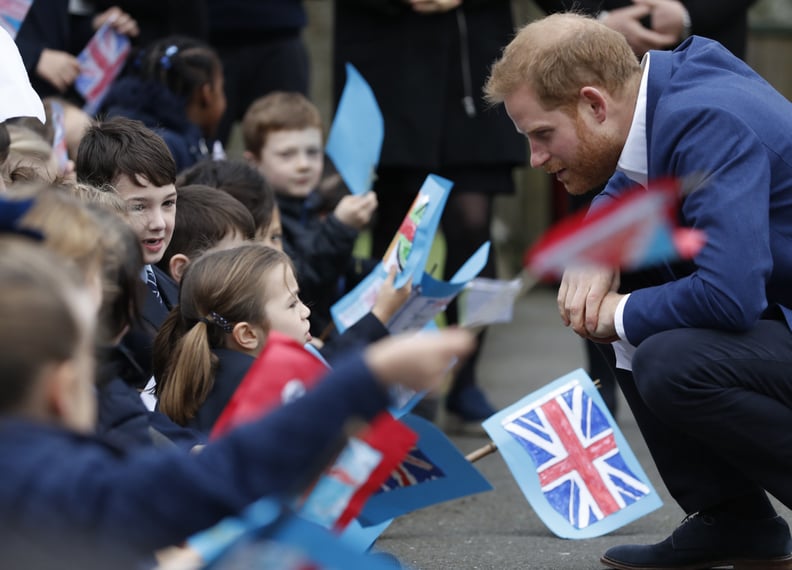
(706, 541)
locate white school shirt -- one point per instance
(634, 164)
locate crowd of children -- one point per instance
(143, 278)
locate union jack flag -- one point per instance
(12, 14)
(414, 469)
(100, 62)
(59, 148)
(581, 470)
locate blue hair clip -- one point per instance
(165, 60)
(11, 213)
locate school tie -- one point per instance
(151, 281)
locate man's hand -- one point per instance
(580, 296)
(433, 6)
(605, 331)
(58, 68)
(627, 21)
(668, 17)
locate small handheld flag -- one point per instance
(408, 252)
(100, 62)
(282, 372)
(356, 135)
(432, 472)
(636, 230)
(570, 459)
(12, 14)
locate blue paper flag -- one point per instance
(431, 296)
(356, 135)
(361, 538)
(408, 251)
(433, 472)
(268, 535)
(571, 460)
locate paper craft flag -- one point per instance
(408, 252)
(570, 459)
(636, 230)
(59, 138)
(282, 372)
(430, 296)
(268, 535)
(356, 135)
(432, 472)
(361, 468)
(488, 301)
(100, 62)
(12, 14)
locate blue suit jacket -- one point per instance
(708, 112)
(58, 483)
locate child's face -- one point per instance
(215, 105)
(273, 235)
(286, 313)
(151, 211)
(292, 161)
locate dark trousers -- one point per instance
(715, 409)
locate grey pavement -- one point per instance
(498, 529)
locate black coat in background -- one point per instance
(420, 68)
(725, 21)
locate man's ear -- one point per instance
(595, 101)
(177, 265)
(248, 337)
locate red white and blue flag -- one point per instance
(432, 472)
(415, 468)
(12, 14)
(571, 461)
(100, 62)
(636, 230)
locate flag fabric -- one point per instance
(12, 14)
(361, 468)
(430, 296)
(282, 372)
(59, 148)
(269, 535)
(636, 230)
(408, 252)
(356, 135)
(571, 461)
(100, 62)
(433, 471)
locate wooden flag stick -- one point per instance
(474, 456)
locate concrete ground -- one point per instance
(498, 529)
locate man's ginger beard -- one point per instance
(594, 161)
